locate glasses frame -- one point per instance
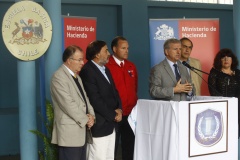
(79, 60)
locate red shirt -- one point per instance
(126, 81)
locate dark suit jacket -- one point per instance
(103, 97)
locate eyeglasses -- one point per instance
(79, 60)
(226, 58)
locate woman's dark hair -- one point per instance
(69, 51)
(222, 53)
(94, 48)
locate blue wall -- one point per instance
(9, 125)
(114, 17)
(8, 70)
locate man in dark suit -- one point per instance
(169, 80)
(73, 113)
(105, 100)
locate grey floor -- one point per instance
(17, 157)
(10, 157)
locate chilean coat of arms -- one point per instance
(27, 30)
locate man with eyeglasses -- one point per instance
(73, 113)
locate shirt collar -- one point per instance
(170, 62)
(69, 70)
(118, 61)
(98, 66)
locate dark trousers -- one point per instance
(127, 139)
(72, 153)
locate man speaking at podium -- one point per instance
(169, 80)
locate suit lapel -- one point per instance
(191, 64)
(183, 70)
(109, 75)
(169, 70)
(107, 71)
(99, 73)
(70, 78)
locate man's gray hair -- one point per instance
(169, 41)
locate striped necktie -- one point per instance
(176, 72)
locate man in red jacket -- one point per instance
(125, 77)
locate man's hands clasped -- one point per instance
(90, 122)
(118, 117)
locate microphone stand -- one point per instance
(193, 69)
(199, 70)
(218, 93)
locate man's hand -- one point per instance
(179, 88)
(118, 117)
(90, 122)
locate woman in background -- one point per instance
(224, 78)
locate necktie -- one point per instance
(176, 72)
(121, 64)
(81, 91)
(88, 131)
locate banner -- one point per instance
(204, 33)
(78, 31)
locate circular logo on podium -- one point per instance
(208, 127)
(27, 30)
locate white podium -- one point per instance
(206, 128)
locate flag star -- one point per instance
(27, 31)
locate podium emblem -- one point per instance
(208, 127)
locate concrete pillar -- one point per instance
(53, 56)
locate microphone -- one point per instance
(187, 65)
(192, 68)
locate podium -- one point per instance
(205, 128)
